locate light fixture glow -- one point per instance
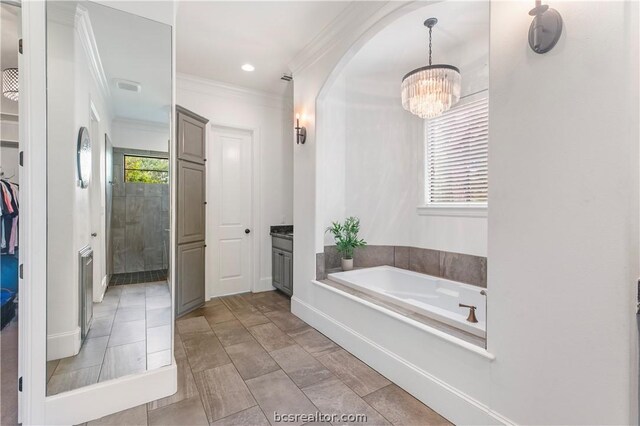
(431, 90)
(248, 67)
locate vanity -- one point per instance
(282, 258)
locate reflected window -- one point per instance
(138, 169)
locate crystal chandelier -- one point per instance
(431, 90)
(10, 83)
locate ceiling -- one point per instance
(460, 38)
(214, 39)
(9, 30)
(139, 50)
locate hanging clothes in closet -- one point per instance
(9, 209)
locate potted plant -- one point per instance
(346, 238)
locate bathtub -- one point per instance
(433, 297)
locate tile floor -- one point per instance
(130, 333)
(241, 358)
(138, 277)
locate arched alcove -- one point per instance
(370, 151)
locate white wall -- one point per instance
(142, 135)
(273, 119)
(563, 215)
(72, 89)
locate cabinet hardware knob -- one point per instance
(246, 231)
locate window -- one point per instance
(456, 148)
(146, 169)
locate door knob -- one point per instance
(94, 234)
(246, 231)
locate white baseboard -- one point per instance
(452, 403)
(92, 402)
(62, 345)
(265, 284)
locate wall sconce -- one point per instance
(545, 28)
(301, 132)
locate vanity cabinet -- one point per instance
(282, 264)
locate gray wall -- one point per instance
(139, 218)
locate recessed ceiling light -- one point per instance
(248, 67)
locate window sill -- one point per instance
(453, 211)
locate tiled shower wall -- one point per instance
(139, 219)
(463, 268)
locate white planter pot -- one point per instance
(347, 264)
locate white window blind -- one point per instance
(456, 152)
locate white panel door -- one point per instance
(234, 219)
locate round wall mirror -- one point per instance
(84, 157)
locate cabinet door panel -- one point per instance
(191, 199)
(288, 273)
(190, 291)
(191, 139)
(277, 268)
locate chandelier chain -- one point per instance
(430, 29)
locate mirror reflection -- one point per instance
(109, 309)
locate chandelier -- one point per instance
(431, 90)
(10, 83)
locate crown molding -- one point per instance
(84, 29)
(354, 14)
(217, 88)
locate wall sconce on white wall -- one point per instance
(301, 132)
(545, 29)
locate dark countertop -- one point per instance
(282, 231)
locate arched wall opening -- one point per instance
(370, 151)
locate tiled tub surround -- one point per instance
(139, 219)
(459, 267)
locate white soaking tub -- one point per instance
(433, 297)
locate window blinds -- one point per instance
(456, 152)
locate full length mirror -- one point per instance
(109, 305)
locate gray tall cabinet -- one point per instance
(191, 188)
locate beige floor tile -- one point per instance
(157, 302)
(158, 359)
(204, 351)
(132, 299)
(91, 353)
(251, 359)
(132, 313)
(193, 325)
(353, 372)
(158, 317)
(333, 397)
(186, 386)
(314, 342)
(178, 347)
(250, 317)
(75, 379)
(216, 301)
(286, 321)
(51, 367)
(123, 360)
(275, 392)
(271, 337)
(400, 408)
(158, 338)
(186, 412)
(123, 333)
(219, 313)
(301, 367)
(250, 417)
(223, 392)
(231, 333)
(100, 327)
(136, 416)
(235, 302)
